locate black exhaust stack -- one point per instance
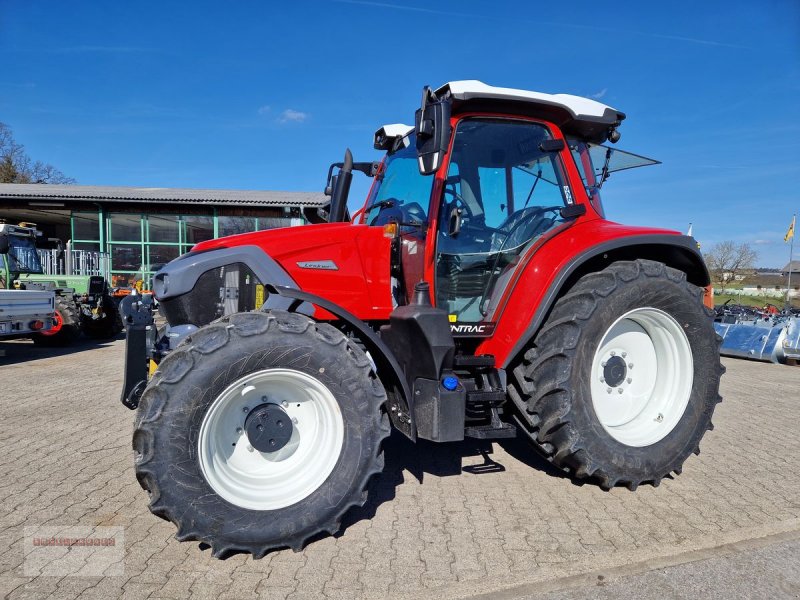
(341, 190)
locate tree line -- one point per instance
(17, 167)
(728, 262)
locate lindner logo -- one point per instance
(480, 329)
(325, 265)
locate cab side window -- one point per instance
(502, 193)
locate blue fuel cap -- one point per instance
(450, 383)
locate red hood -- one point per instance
(352, 262)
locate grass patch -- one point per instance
(749, 300)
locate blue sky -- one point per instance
(264, 95)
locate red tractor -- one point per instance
(479, 293)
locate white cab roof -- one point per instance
(396, 130)
(472, 89)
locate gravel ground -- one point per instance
(447, 521)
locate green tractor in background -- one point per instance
(82, 303)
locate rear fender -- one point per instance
(515, 334)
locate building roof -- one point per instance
(95, 193)
(794, 266)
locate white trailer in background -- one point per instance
(24, 312)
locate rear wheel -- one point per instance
(66, 327)
(621, 381)
(281, 422)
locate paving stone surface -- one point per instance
(442, 521)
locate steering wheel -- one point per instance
(534, 220)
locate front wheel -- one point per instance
(259, 432)
(622, 380)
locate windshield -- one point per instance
(400, 194)
(22, 256)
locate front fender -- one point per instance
(389, 370)
(198, 287)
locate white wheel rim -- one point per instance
(642, 376)
(271, 480)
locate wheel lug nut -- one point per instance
(239, 430)
(619, 390)
(245, 409)
(613, 353)
(630, 365)
(603, 364)
(284, 404)
(294, 420)
(602, 380)
(263, 398)
(624, 354)
(629, 380)
(249, 448)
(608, 390)
(659, 418)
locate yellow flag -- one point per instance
(790, 234)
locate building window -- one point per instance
(126, 257)
(197, 229)
(163, 228)
(126, 227)
(274, 222)
(88, 246)
(159, 255)
(235, 225)
(139, 244)
(85, 226)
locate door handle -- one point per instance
(455, 221)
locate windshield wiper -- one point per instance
(605, 174)
(533, 187)
(382, 204)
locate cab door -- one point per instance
(504, 190)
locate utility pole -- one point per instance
(790, 236)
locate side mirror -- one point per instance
(432, 127)
(3, 243)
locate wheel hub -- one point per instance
(242, 466)
(268, 427)
(640, 406)
(614, 371)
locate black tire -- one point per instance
(67, 311)
(552, 381)
(105, 327)
(167, 424)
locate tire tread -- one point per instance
(207, 340)
(540, 381)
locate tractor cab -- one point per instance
(17, 253)
(484, 176)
